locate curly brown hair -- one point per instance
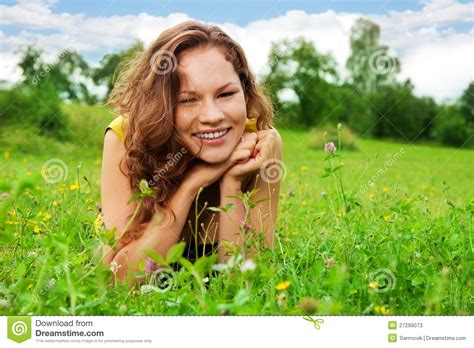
(146, 94)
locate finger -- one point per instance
(264, 133)
(254, 152)
(261, 143)
(247, 136)
(240, 155)
(265, 152)
(269, 137)
(249, 166)
(247, 144)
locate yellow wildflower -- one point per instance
(28, 173)
(381, 310)
(373, 284)
(386, 218)
(74, 187)
(280, 299)
(55, 203)
(6, 155)
(372, 196)
(46, 217)
(98, 223)
(10, 222)
(385, 189)
(283, 285)
(37, 229)
(304, 169)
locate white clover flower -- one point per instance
(248, 265)
(114, 266)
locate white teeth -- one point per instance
(211, 135)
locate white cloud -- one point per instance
(437, 58)
(441, 67)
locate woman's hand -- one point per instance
(204, 174)
(267, 144)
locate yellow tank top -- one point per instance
(119, 125)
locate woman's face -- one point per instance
(211, 109)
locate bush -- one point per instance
(348, 138)
(452, 129)
(34, 106)
(88, 122)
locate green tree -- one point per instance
(296, 65)
(352, 108)
(466, 104)
(70, 74)
(31, 64)
(455, 123)
(67, 75)
(370, 64)
(106, 73)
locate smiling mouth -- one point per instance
(212, 135)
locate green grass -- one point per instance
(401, 246)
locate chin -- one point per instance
(213, 157)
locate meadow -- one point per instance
(386, 230)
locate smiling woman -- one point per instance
(197, 127)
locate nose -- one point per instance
(211, 113)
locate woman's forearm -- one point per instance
(229, 222)
(161, 233)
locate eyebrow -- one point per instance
(218, 90)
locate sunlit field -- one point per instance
(387, 231)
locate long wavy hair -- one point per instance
(146, 94)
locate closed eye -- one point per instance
(187, 101)
(226, 94)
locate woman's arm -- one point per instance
(160, 235)
(116, 192)
(263, 216)
(229, 222)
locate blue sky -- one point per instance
(237, 12)
(424, 34)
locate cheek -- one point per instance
(181, 120)
(237, 110)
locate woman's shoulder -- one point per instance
(118, 126)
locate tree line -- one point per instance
(304, 84)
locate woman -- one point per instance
(194, 125)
